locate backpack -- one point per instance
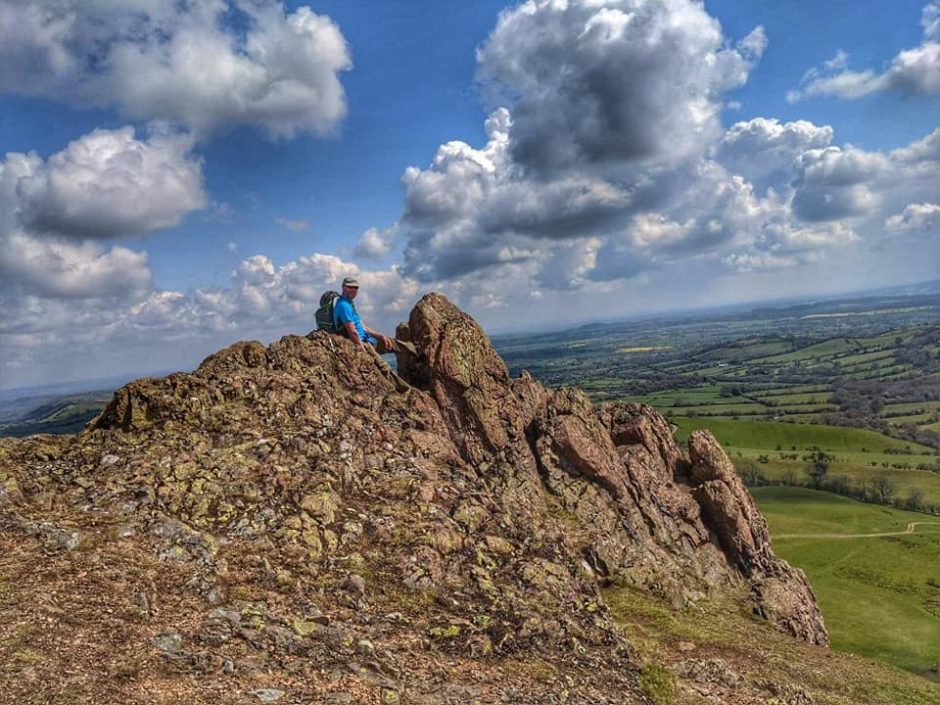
(324, 315)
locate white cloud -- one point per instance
(785, 244)
(913, 71)
(375, 243)
(612, 82)
(656, 230)
(834, 183)
(606, 196)
(297, 225)
(568, 265)
(205, 65)
(105, 184)
(763, 150)
(760, 261)
(472, 208)
(925, 151)
(914, 217)
(262, 300)
(265, 295)
(68, 270)
(930, 20)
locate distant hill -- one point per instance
(67, 414)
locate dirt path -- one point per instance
(908, 530)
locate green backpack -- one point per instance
(324, 316)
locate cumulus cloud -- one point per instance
(105, 184)
(205, 65)
(835, 183)
(262, 294)
(763, 150)
(622, 80)
(569, 265)
(472, 208)
(69, 270)
(783, 243)
(915, 217)
(913, 71)
(753, 262)
(923, 151)
(375, 243)
(574, 187)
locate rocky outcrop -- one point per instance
(292, 510)
(781, 593)
(648, 513)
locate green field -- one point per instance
(770, 434)
(827, 347)
(880, 596)
(909, 407)
(913, 418)
(793, 399)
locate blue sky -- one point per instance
(177, 178)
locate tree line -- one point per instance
(879, 489)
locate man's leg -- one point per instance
(397, 346)
(406, 346)
(400, 384)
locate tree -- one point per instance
(883, 489)
(751, 473)
(839, 484)
(818, 467)
(915, 500)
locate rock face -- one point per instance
(290, 510)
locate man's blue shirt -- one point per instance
(344, 311)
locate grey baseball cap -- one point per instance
(351, 282)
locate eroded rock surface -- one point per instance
(287, 521)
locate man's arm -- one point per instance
(353, 334)
(389, 344)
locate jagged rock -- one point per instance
(312, 517)
(783, 596)
(467, 379)
(782, 593)
(727, 506)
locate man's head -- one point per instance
(350, 287)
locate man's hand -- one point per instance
(387, 342)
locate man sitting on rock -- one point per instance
(346, 317)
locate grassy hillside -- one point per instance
(746, 651)
(880, 595)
